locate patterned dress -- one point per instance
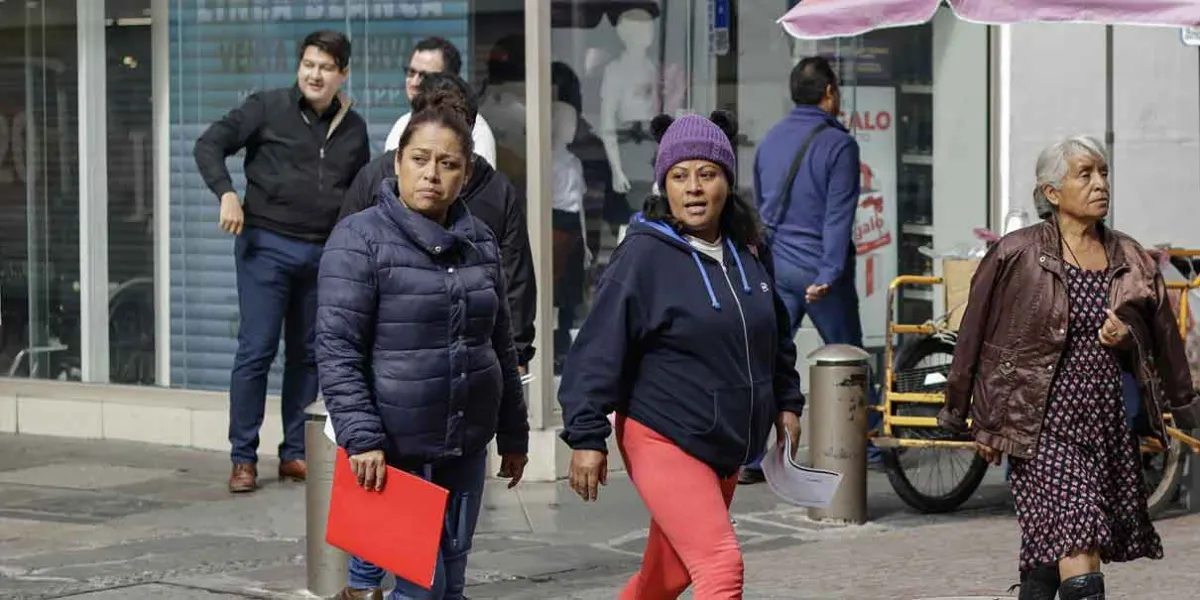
(1084, 487)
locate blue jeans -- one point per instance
(464, 477)
(835, 316)
(277, 293)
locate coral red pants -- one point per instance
(691, 538)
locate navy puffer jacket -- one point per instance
(414, 347)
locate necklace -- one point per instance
(1067, 245)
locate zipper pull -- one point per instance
(322, 152)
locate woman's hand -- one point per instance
(370, 468)
(589, 470)
(989, 454)
(512, 467)
(787, 427)
(1113, 333)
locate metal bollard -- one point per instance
(326, 565)
(1190, 485)
(838, 379)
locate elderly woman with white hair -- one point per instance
(1057, 312)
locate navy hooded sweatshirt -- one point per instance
(695, 350)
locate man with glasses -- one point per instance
(435, 55)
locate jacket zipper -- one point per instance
(749, 366)
(333, 125)
(320, 152)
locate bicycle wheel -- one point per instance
(131, 332)
(929, 480)
(1163, 471)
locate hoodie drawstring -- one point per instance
(738, 261)
(712, 296)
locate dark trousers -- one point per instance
(835, 316)
(569, 276)
(277, 293)
(464, 477)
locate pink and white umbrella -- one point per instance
(816, 19)
(820, 19)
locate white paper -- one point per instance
(797, 484)
(329, 433)
(329, 430)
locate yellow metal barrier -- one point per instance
(894, 329)
(890, 420)
(1184, 299)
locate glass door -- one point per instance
(39, 218)
(130, 87)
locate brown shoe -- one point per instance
(243, 478)
(354, 594)
(293, 470)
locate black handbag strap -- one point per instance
(791, 178)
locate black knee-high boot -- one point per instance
(1083, 587)
(1039, 584)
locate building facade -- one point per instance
(118, 312)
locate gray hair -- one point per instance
(1054, 163)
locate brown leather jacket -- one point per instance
(1014, 330)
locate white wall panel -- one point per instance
(1058, 89)
(1156, 125)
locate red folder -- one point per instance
(398, 529)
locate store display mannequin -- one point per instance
(571, 255)
(628, 88)
(569, 185)
(502, 103)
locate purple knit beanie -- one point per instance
(693, 137)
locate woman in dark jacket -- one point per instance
(414, 348)
(1057, 311)
(688, 343)
(489, 196)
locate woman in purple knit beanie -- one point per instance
(688, 343)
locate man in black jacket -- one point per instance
(489, 195)
(303, 146)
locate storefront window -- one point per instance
(615, 65)
(889, 73)
(221, 51)
(39, 193)
(131, 310)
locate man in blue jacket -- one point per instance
(806, 183)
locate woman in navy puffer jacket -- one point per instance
(414, 347)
